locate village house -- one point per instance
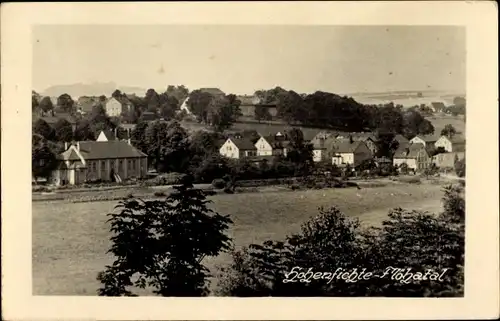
(426, 140)
(88, 161)
(455, 143)
(348, 152)
(321, 143)
(238, 148)
(85, 104)
(272, 145)
(108, 135)
(115, 107)
(415, 156)
(369, 139)
(455, 150)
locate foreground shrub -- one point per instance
(425, 243)
(218, 183)
(162, 244)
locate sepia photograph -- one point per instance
(270, 161)
(264, 160)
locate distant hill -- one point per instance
(92, 89)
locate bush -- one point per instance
(421, 241)
(218, 183)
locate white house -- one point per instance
(348, 151)
(113, 107)
(456, 143)
(238, 148)
(424, 139)
(272, 145)
(415, 156)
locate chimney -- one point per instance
(128, 141)
(65, 146)
(78, 146)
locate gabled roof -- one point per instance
(409, 150)
(428, 138)
(103, 150)
(243, 143)
(212, 91)
(86, 103)
(401, 139)
(363, 136)
(277, 141)
(108, 134)
(345, 145)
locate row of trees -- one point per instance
(328, 110)
(162, 245)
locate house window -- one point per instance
(229, 148)
(94, 166)
(103, 165)
(112, 164)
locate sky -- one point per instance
(242, 59)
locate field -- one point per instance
(70, 240)
(440, 121)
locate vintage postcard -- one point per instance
(237, 160)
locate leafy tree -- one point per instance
(117, 94)
(43, 160)
(299, 152)
(386, 144)
(66, 103)
(42, 128)
(84, 131)
(162, 244)
(223, 112)
(179, 92)
(167, 146)
(414, 124)
(448, 131)
(138, 138)
(289, 106)
(168, 106)
(46, 104)
(152, 100)
(63, 130)
(262, 113)
(198, 104)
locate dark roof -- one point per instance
(429, 138)
(243, 143)
(109, 135)
(277, 141)
(86, 103)
(212, 91)
(408, 150)
(401, 139)
(104, 150)
(345, 145)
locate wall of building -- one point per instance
(445, 143)
(263, 148)
(228, 149)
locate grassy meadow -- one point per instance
(70, 240)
